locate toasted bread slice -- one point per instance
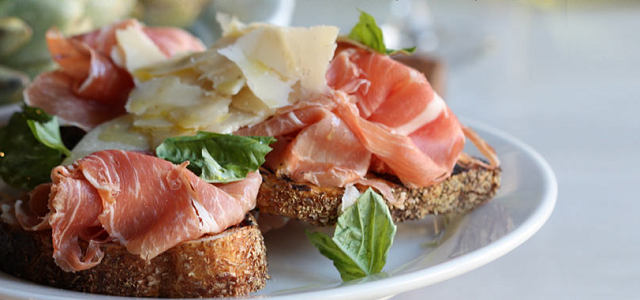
(472, 183)
(228, 264)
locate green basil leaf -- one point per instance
(367, 33)
(405, 51)
(362, 238)
(217, 157)
(45, 128)
(347, 266)
(25, 161)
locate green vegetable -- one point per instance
(45, 129)
(368, 34)
(362, 238)
(217, 157)
(30, 146)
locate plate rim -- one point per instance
(402, 283)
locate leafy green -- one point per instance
(30, 146)
(362, 238)
(405, 51)
(45, 129)
(367, 33)
(217, 157)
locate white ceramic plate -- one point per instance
(424, 252)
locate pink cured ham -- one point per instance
(380, 116)
(412, 166)
(323, 152)
(142, 202)
(50, 92)
(88, 74)
(75, 207)
(104, 38)
(397, 116)
(32, 214)
(172, 41)
(327, 153)
(287, 121)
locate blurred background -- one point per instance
(562, 76)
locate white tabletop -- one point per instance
(564, 78)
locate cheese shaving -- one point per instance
(239, 81)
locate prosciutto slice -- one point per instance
(314, 145)
(172, 41)
(327, 153)
(144, 203)
(88, 73)
(413, 167)
(397, 116)
(32, 214)
(51, 92)
(380, 116)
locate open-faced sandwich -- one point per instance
(173, 144)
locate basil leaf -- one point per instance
(362, 238)
(348, 268)
(367, 33)
(45, 128)
(26, 161)
(405, 51)
(217, 157)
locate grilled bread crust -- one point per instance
(472, 184)
(228, 264)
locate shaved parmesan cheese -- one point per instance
(264, 82)
(230, 25)
(157, 122)
(164, 101)
(235, 120)
(208, 69)
(240, 81)
(137, 49)
(274, 58)
(153, 97)
(246, 101)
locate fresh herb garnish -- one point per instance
(367, 33)
(30, 146)
(362, 238)
(217, 157)
(45, 128)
